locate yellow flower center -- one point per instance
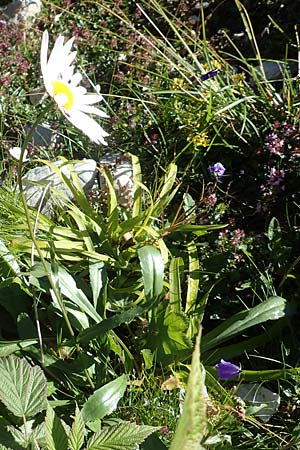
(62, 94)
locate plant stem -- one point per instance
(28, 219)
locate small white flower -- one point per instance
(15, 152)
(62, 84)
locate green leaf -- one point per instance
(9, 347)
(137, 191)
(69, 289)
(113, 215)
(153, 442)
(98, 280)
(23, 388)
(152, 266)
(76, 438)
(234, 350)
(175, 277)
(112, 322)
(55, 433)
(193, 278)
(166, 191)
(191, 426)
(272, 309)
(9, 259)
(167, 335)
(124, 436)
(198, 230)
(7, 439)
(105, 400)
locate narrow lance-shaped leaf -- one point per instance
(272, 309)
(191, 426)
(175, 275)
(55, 433)
(112, 322)
(23, 388)
(76, 438)
(137, 191)
(193, 279)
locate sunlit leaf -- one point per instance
(105, 400)
(23, 388)
(152, 266)
(55, 433)
(124, 436)
(167, 336)
(272, 309)
(191, 426)
(76, 438)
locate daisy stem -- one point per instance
(31, 229)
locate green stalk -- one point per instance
(29, 224)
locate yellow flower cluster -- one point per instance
(200, 140)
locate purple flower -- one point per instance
(274, 143)
(217, 170)
(227, 370)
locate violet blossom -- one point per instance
(227, 370)
(217, 170)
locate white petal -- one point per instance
(70, 58)
(89, 99)
(56, 55)
(79, 91)
(68, 45)
(92, 110)
(88, 126)
(16, 153)
(44, 52)
(75, 79)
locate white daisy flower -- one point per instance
(62, 84)
(15, 152)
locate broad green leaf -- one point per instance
(124, 436)
(105, 400)
(148, 357)
(191, 426)
(23, 388)
(76, 438)
(175, 277)
(152, 266)
(9, 347)
(26, 327)
(55, 433)
(245, 345)
(272, 309)
(7, 440)
(167, 335)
